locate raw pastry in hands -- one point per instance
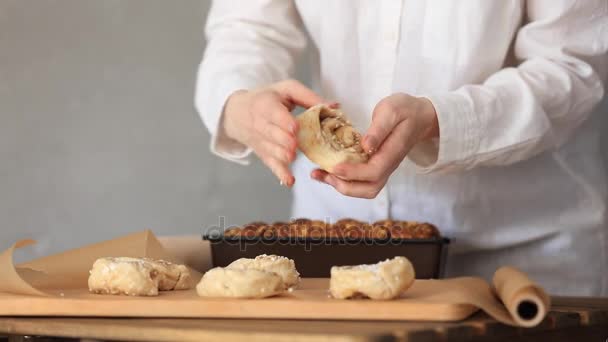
(327, 138)
(239, 283)
(137, 276)
(284, 267)
(385, 280)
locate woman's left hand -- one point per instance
(399, 121)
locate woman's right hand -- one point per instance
(262, 119)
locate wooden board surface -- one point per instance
(566, 325)
(426, 300)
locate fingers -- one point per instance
(272, 140)
(362, 172)
(268, 109)
(384, 119)
(277, 158)
(318, 174)
(275, 134)
(280, 170)
(353, 189)
(298, 93)
(269, 149)
(396, 146)
(283, 119)
(384, 161)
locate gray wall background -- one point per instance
(98, 133)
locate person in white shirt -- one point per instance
(477, 114)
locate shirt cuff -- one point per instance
(458, 140)
(228, 148)
(222, 145)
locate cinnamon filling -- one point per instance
(339, 132)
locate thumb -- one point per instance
(299, 94)
(384, 120)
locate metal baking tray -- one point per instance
(314, 257)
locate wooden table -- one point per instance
(580, 319)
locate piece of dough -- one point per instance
(327, 138)
(172, 276)
(284, 267)
(130, 276)
(239, 283)
(137, 276)
(385, 280)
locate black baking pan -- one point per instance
(314, 257)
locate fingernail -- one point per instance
(370, 142)
(293, 127)
(333, 105)
(316, 177)
(288, 183)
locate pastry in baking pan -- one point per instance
(284, 267)
(343, 228)
(327, 138)
(137, 276)
(239, 283)
(385, 280)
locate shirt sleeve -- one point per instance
(249, 44)
(521, 111)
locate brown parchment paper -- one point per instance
(511, 299)
(512, 290)
(70, 269)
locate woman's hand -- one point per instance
(399, 122)
(262, 120)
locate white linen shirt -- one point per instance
(513, 83)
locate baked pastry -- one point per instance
(327, 138)
(137, 276)
(239, 283)
(385, 280)
(344, 228)
(284, 267)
